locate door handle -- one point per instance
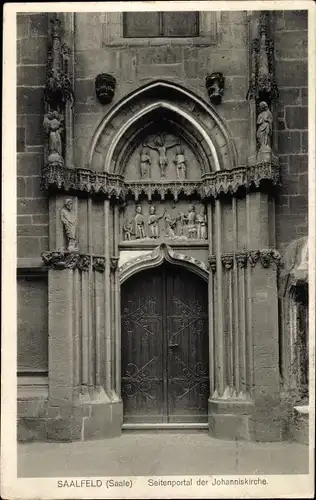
(173, 346)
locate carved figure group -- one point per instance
(161, 148)
(69, 221)
(191, 225)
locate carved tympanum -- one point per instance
(69, 219)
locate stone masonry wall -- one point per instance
(99, 48)
(32, 203)
(291, 75)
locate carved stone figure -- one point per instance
(128, 231)
(161, 148)
(264, 130)
(201, 224)
(215, 87)
(180, 163)
(69, 220)
(139, 224)
(53, 123)
(105, 85)
(171, 225)
(153, 222)
(191, 222)
(145, 164)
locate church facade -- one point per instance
(162, 224)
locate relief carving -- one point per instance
(201, 221)
(145, 164)
(69, 219)
(227, 260)
(161, 148)
(139, 223)
(153, 222)
(180, 162)
(215, 87)
(98, 264)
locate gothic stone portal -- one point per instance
(165, 375)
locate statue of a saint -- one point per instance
(180, 163)
(53, 124)
(161, 148)
(128, 231)
(139, 223)
(201, 223)
(69, 220)
(153, 222)
(145, 163)
(264, 130)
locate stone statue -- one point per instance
(161, 148)
(153, 222)
(201, 223)
(139, 224)
(180, 163)
(69, 220)
(264, 127)
(128, 231)
(145, 163)
(53, 124)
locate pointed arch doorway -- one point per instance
(165, 374)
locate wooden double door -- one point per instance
(165, 374)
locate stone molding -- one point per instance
(266, 257)
(213, 185)
(59, 260)
(73, 260)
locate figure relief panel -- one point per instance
(164, 220)
(162, 156)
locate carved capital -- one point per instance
(241, 259)
(84, 262)
(227, 260)
(270, 256)
(212, 262)
(98, 264)
(114, 262)
(61, 260)
(253, 257)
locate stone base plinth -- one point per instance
(238, 419)
(79, 422)
(299, 427)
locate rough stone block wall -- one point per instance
(135, 65)
(32, 204)
(291, 73)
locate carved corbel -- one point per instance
(114, 262)
(214, 84)
(84, 262)
(253, 257)
(61, 260)
(241, 259)
(212, 262)
(98, 264)
(105, 85)
(227, 260)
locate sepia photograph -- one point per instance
(162, 231)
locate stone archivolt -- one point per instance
(113, 185)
